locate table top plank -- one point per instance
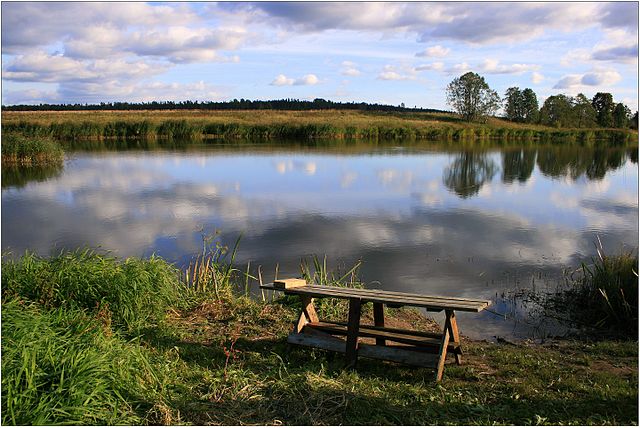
(387, 297)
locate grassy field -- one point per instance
(90, 339)
(273, 124)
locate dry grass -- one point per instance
(340, 118)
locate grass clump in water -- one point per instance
(606, 295)
(18, 150)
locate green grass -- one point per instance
(167, 352)
(18, 150)
(283, 125)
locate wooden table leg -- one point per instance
(307, 315)
(378, 320)
(453, 329)
(444, 343)
(353, 328)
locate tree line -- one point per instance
(474, 100)
(242, 104)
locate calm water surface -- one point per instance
(459, 223)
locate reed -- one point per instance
(307, 125)
(18, 150)
(606, 294)
(212, 269)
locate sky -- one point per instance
(390, 53)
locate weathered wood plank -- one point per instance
(353, 328)
(443, 351)
(288, 283)
(309, 309)
(389, 329)
(378, 320)
(429, 302)
(367, 291)
(321, 342)
(402, 356)
(397, 355)
(406, 336)
(453, 329)
(362, 292)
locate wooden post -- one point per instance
(352, 332)
(444, 343)
(453, 329)
(378, 320)
(307, 315)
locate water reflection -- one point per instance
(422, 220)
(19, 176)
(572, 163)
(468, 172)
(518, 165)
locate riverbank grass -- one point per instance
(19, 150)
(296, 125)
(91, 339)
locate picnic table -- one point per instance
(419, 348)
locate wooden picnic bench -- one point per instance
(410, 347)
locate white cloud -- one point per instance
(624, 53)
(391, 72)
(458, 68)
(472, 23)
(536, 77)
(309, 79)
(434, 66)
(350, 69)
(491, 66)
(434, 51)
(391, 75)
(42, 67)
(282, 80)
(592, 78)
(34, 24)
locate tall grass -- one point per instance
(132, 294)
(315, 271)
(59, 367)
(606, 295)
(30, 151)
(212, 270)
(308, 125)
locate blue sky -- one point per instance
(388, 53)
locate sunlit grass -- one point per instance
(92, 339)
(278, 124)
(18, 150)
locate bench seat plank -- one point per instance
(436, 303)
(405, 336)
(404, 356)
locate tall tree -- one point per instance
(557, 111)
(621, 116)
(603, 104)
(472, 97)
(583, 112)
(513, 104)
(634, 121)
(530, 106)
